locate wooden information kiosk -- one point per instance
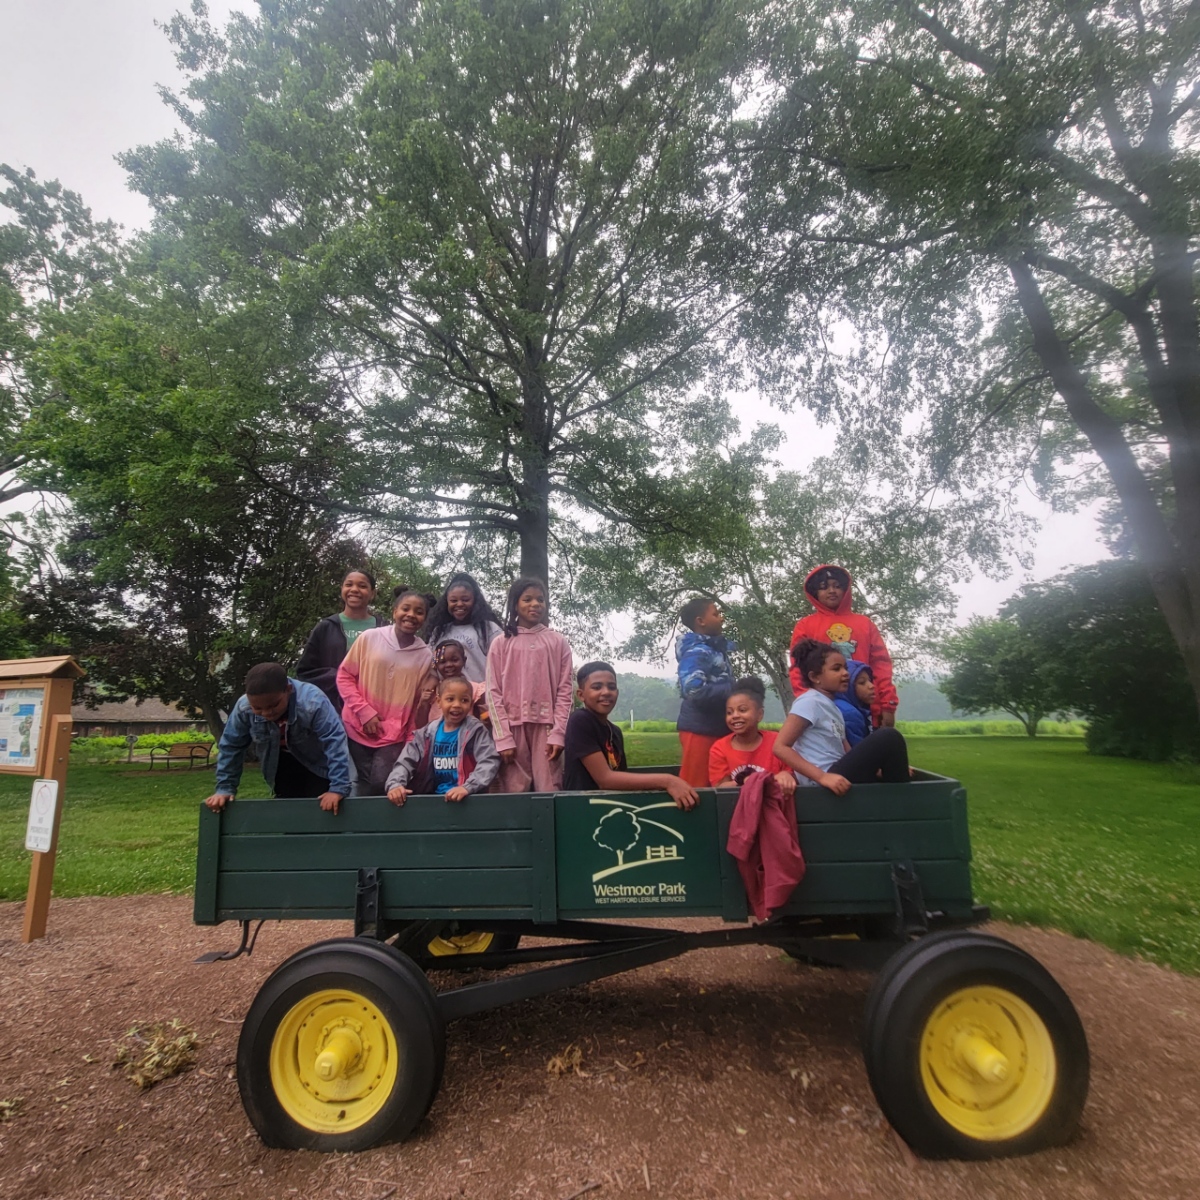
(35, 740)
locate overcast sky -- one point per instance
(79, 87)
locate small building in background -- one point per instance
(121, 718)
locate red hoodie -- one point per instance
(852, 633)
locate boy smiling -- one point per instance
(594, 755)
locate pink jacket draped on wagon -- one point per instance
(764, 838)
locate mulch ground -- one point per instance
(730, 1073)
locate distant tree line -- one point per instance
(1093, 643)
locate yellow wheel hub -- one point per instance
(987, 1063)
(475, 942)
(334, 1061)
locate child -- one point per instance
(813, 738)
(855, 703)
(853, 634)
(594, 757)
(450, 658)
(296, 735)
(464, 615)
(705, 679)
(386, 681)
(746, 749)
(529, 692)
(452, 756)
(332, 637)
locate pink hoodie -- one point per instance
(530, 681)
(379, 679)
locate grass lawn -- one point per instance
(125, 829)
(1102, 848)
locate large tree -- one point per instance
(1028, 171)
(500, 224)
(197, 541)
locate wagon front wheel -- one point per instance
(343, 1047)
(973, 1050)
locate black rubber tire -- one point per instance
(907, 993)
(398, 989)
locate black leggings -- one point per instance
(884, 751)
(294, 780)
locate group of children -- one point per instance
(840, 729)
(478, 703)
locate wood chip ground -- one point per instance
(726, 1073)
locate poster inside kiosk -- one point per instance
(21, 712)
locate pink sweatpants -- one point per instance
(532, 771)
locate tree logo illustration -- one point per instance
(618, 831)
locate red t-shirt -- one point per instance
(725, 758)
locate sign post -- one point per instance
(35, 740)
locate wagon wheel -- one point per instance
(342, 1048)
(973, 1050)
(461, 940)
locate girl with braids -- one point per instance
(529, 688)
(813, 738)
(464, 615)
(386, 681)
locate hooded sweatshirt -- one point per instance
(852, 633)
(380, 678)
(857, 714)
(705, 681)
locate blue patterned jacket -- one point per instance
(705, 681)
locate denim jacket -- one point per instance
(316, 739)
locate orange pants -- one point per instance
(693, 766)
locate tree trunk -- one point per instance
(212, 717)
(533, 524)
(1158, 550)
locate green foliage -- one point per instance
(198, 459)
(993, 664)
(1072, 729)
(112, 749)
(1008, 196)
(501, 222)
(1115, 660)
(753, 535)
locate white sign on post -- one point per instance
(40, 831)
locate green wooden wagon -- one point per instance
(971, 1047)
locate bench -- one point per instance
(189, 752)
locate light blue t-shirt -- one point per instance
(445, 759)
(822, 743)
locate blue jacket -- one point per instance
(858, 718)
(316, 739)
(705, 681)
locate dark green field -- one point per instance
(1099, 847)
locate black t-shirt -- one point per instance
(587, 733)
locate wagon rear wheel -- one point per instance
(973, 1050)
(470, 941)
(343, 1047)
